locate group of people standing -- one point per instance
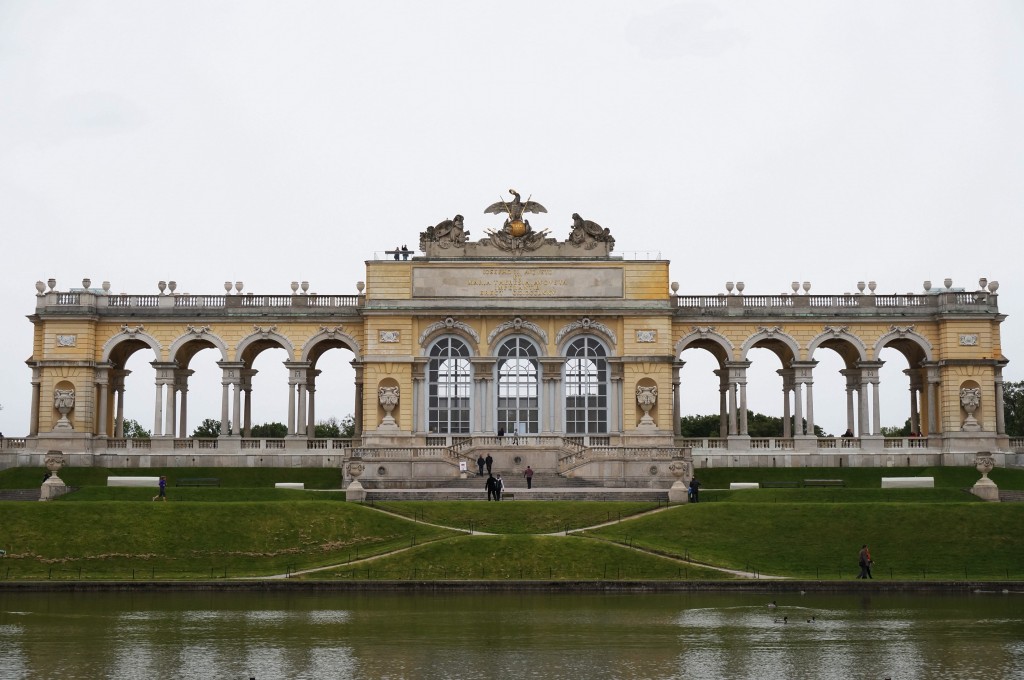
(402, 251)
(496, 485)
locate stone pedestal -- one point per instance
(985, 488)
(53, 486)
(355, 492)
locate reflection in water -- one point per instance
(504, 635)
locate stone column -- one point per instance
(616, 407)
(33, 425)
(787, 387)
(358, 405)
(247, 376)
(312, 374)
(915, 388)
(102, 381)
(419, 394)
(231, 374)
(852, 376)
(181, 377)
(118, 386)
(798, 409)
(723, 407)
(869, 376)
(803, 376)
(677, 367)
(158, 410)
(738, 397)
(934, 426)
(483, 404)
(164, 416)
(297, 377)
(1000, 415)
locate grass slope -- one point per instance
(523, 558)
(193, 540)
(532, 517)
(907, 540)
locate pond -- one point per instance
(509, 635)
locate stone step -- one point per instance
(1011, 496)
(549, 494)
(19, 495)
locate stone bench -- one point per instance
(781, 484)
(908, 482)
(133, 481)
(743, 485)
(290, 485)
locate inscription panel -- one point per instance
(517, 282)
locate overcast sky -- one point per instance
(764, 142)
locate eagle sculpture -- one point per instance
(515, 224)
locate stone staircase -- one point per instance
(520, 494)
(1011, 496)
(19, 494)
(541, 480)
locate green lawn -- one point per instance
(532, 517)
(523, 558)
(248, 528)
(314, 478)
(809, 540)
(116, 539)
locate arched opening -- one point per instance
(449, 387)
(586, 387)
(331, 401)
(131, 395)
(700, 391)
(518, 376)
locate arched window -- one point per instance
(518, 410)
(450, 378)
(586, 387)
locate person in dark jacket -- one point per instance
(492, 487)
(694, 490)
(480, 462)
(499, 486)
(490, 462)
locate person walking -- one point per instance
(694, 490)
(162, 494)
(489, 461)
(529, 477)
(492, 487)
(864, 560)
(480, 463)
(499, 486)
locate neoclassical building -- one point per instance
(568, 349)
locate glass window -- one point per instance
(450, 378)
(518, 387)
(586, 388)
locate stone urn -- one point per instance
(53, 485)
(388, 396)
(355, 491)
(63, 401)
(646, 397)
(970, 400)
(677, 492)
(985, 488)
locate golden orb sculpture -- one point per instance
(517, 228)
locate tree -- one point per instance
(270, 431)
(208, 429)
(132, 430)
(1013, 408)
(758, 425)
(897, 431)
(332, 428)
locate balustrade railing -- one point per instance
(12, 443)
(839, 442)
(705, 443)
(191, 301)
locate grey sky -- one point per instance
(829, 142)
